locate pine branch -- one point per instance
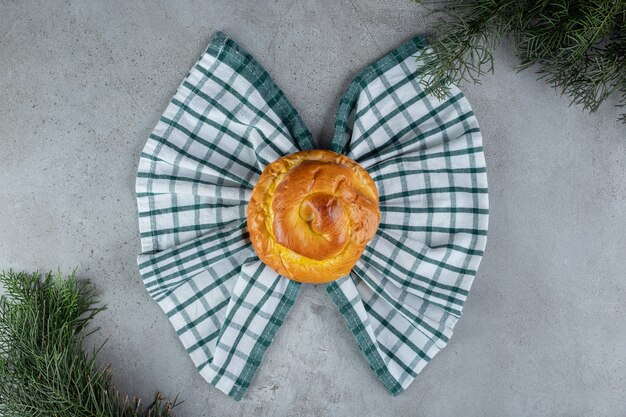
(577, 46)
(44, 368)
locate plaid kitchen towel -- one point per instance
(226, 122)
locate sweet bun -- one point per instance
(311, 215)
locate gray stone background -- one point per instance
(82, 83)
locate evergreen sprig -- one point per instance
(577, 46)
(44, 368)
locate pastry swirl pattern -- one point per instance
(311, 215)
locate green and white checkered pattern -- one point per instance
(227, 121)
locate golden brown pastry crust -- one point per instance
(311, 215)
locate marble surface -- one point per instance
(544, 331)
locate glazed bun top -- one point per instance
(311, 215)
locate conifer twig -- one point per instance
(44, 368)
(576, 46)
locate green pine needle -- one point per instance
(44, 368)
(577, 46)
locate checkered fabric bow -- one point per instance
(226, 122)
